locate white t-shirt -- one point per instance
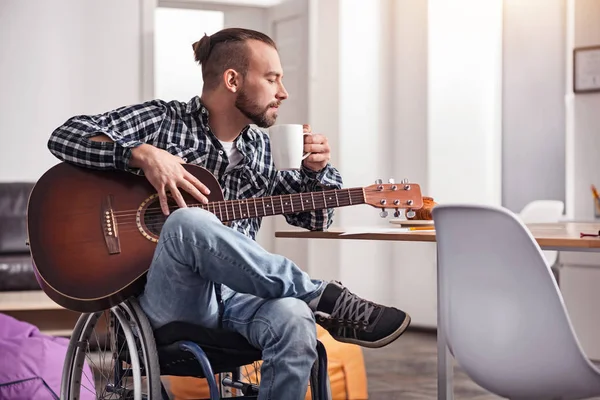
(233, 154)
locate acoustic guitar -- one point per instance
(92, 233)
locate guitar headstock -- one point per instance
(396, 196)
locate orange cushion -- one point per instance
(347, 374)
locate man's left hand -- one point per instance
(319, 148)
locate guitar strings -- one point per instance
(125, 225)
(238, 202)
(123, 220)
(248, 207)
(234, 205)
(250, 201)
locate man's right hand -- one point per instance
(165, 172)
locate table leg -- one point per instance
(445, 371)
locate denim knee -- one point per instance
(189, 216)
(294, 325)
(184, 220)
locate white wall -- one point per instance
(580, 273)
(413, 266)
(446, 123)
(324, 95)
(59, 59)
(583, 120)
(365, 113)
(177, 76)
(533, 108)
(465, 100)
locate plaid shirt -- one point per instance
(183, 130)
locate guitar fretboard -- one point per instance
(284, 204)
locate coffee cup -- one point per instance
(287, 146)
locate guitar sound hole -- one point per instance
(154, 219)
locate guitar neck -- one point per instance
(230, 210)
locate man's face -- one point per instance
(262, 90)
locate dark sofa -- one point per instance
(16, 269)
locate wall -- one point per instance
(465, 100)
(177, 76)
(61, 58)
(533, 108)
(447, 123)
(580, 275)
(583, 120)
(413, 265)
(365, 133)
(324, 93)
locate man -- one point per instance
(199, 263)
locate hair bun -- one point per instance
(202, 49)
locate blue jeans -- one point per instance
(265, 296)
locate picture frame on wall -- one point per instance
(586, 69)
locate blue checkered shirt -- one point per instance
(183, 130)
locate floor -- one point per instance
(407, 370)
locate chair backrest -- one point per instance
(504, 317)
(540, 211)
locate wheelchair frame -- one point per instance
(128, 323)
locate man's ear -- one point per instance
(232, 80)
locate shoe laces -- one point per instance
(352, 311)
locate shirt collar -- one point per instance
(195, 106)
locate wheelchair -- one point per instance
(115, 354)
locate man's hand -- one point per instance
(318, 146)
(165, 172)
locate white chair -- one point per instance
(540, 211)
(505, 320)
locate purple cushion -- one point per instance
(32, 363)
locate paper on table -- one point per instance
(372, 229)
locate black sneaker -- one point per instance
(350, 319)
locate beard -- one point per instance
(254, 112)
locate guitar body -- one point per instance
(91, 233)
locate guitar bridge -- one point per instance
(109, 226)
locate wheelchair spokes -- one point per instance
(105, 358)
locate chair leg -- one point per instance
(323, 387)
(163, 392)
(205, 365)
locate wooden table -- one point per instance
(563, 236)
(555, 236)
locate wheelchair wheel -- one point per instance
(112, 355)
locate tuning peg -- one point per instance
(397, 213)
(410, 214)
(404, 180)
(391, 180)
(378, 182)
(383, 213)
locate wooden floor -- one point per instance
(407, 370)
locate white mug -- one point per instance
(287, 146)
